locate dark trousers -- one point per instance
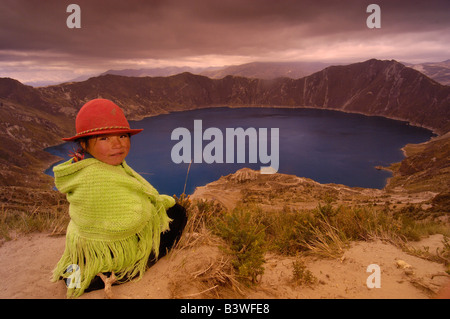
(168, 239)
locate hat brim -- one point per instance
(103, 132)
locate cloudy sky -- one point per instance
(37, 45)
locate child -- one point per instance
(117, 217)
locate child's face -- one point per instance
(109, 148)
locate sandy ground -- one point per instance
(26, 264)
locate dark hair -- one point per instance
(78, 151)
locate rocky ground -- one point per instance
(201, 269)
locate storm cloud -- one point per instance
(35, 42)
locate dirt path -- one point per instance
(26, 264)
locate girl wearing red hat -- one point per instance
(119, 223)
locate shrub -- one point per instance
(300, 274)
(245, 236)
(286, 231)
(54, 219)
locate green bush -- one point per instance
(287, 231)
(246, 239)
(301, 275)
(325, 231)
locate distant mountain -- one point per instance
(374, 87)
(34, 118)
(268, 70)
(438, 71)
(257, 70)
(42, 83)
(166, 71)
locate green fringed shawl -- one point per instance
(116, 221)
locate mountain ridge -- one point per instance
(35, 118)
(438, 71)
(268, 70)
(373, 87)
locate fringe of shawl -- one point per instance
(127, 258)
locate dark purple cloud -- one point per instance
(34, 38)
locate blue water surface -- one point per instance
(326, 146)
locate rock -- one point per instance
(402, 264)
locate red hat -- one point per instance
(100, 116)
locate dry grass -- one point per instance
(327, 241)
(198, 227)
(217, 277)
(37, 219)
(326, 232)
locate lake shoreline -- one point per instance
(263, 106)
(386, 181)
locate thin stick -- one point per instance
(187, 174)
(199, 293)
(108, 284)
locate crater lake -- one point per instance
(324, 145)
